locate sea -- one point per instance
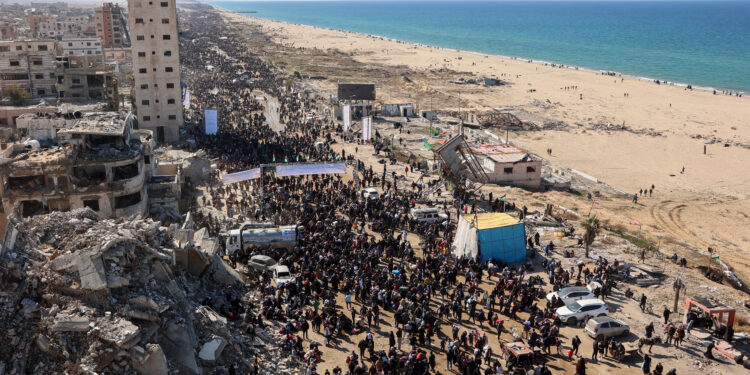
(702, 43)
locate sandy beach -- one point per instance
(666, 127)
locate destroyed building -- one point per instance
(28, 65)
(75, 160)
(83, 294)
(85, 78)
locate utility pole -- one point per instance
(460, 119)
(382, 183)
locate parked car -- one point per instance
(261, 263)
(427, 215)
(573, 293)
(604, 326)
(580, 310)
(369, 193)
(281, 275)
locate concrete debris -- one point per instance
(112, 296)
(212, 349)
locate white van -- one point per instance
(369, 193)
(281, 275)
(427, 215)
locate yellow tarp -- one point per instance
(491, 220)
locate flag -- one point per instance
(595, 206)
(285, 160)
(427, 145)
(273, 154)
(471, 225)
(636, 222)
(298, 158)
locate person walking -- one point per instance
(581, 367)
(576, 343)
(666, 313)
(646, 365)
(595, 350)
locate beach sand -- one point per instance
(667, 128)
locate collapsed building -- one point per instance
(73, 160)
(82, 294)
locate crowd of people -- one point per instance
(357, 272)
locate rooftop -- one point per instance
(502, 153)
(99, 123)
(490, 220)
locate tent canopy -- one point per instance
(490, 236)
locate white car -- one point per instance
(369, 193)
(573, 293)
(578, 311)
(281, 275)
(605, 326)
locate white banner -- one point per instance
(249, 174)
(305, 169)
(347, 115)
(366, 128)
(186, 101)
(211, 122)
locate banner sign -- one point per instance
(210, 120)
(366, 128)
(306, 169)
(249, 174)
(186, 101)
(347, 115)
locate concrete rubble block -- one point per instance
(161, 271)
(179, 348)
(114, 281)
(197, 261)
(211, 350)
(224, 273)
(43, 343)
(91, 271)
(155, 362)
(211, 315)
(64, 262)
(150, 316)
(144, 302)
(120, 332)
(65, 322)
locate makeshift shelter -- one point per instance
(490, 236)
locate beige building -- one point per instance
(28, 65)
(111, 26)
(156, 67)
(508, 165)
(85, 78)
(81, 46)
(9, 114)
(98, 160)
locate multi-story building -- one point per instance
(111, 26)
(85, 78)
(156, 67)
(7, 31)
(43, 25)
(80, 46)
(28, 65)
(97, 160)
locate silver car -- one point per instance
(604, 326)
(261, 263)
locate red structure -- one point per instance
(715, 312)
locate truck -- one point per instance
(261, 234)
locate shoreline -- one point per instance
(719, 91)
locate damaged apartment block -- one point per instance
(68, 161)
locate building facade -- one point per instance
(506, 164)
(111, 26)
(101, 162)
(156, 67)
(7, 31)
(80, 46)
(84, 78)
(28, 65)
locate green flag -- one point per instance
(427, 145)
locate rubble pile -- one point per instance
(84, 295)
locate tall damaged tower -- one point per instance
(156, 67)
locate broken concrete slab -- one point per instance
(197, 261)
(43, 343)
(211, 350)
(178, 347)
(114, 281)
(224, 273)
(210, 314)
(155, 362)
(142, 315)
(70, 323)
(91, 271)
(161, 271)
(144, 302)
(120, 332)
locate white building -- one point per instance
(156, 67)
(83, 46)
(508, 165)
